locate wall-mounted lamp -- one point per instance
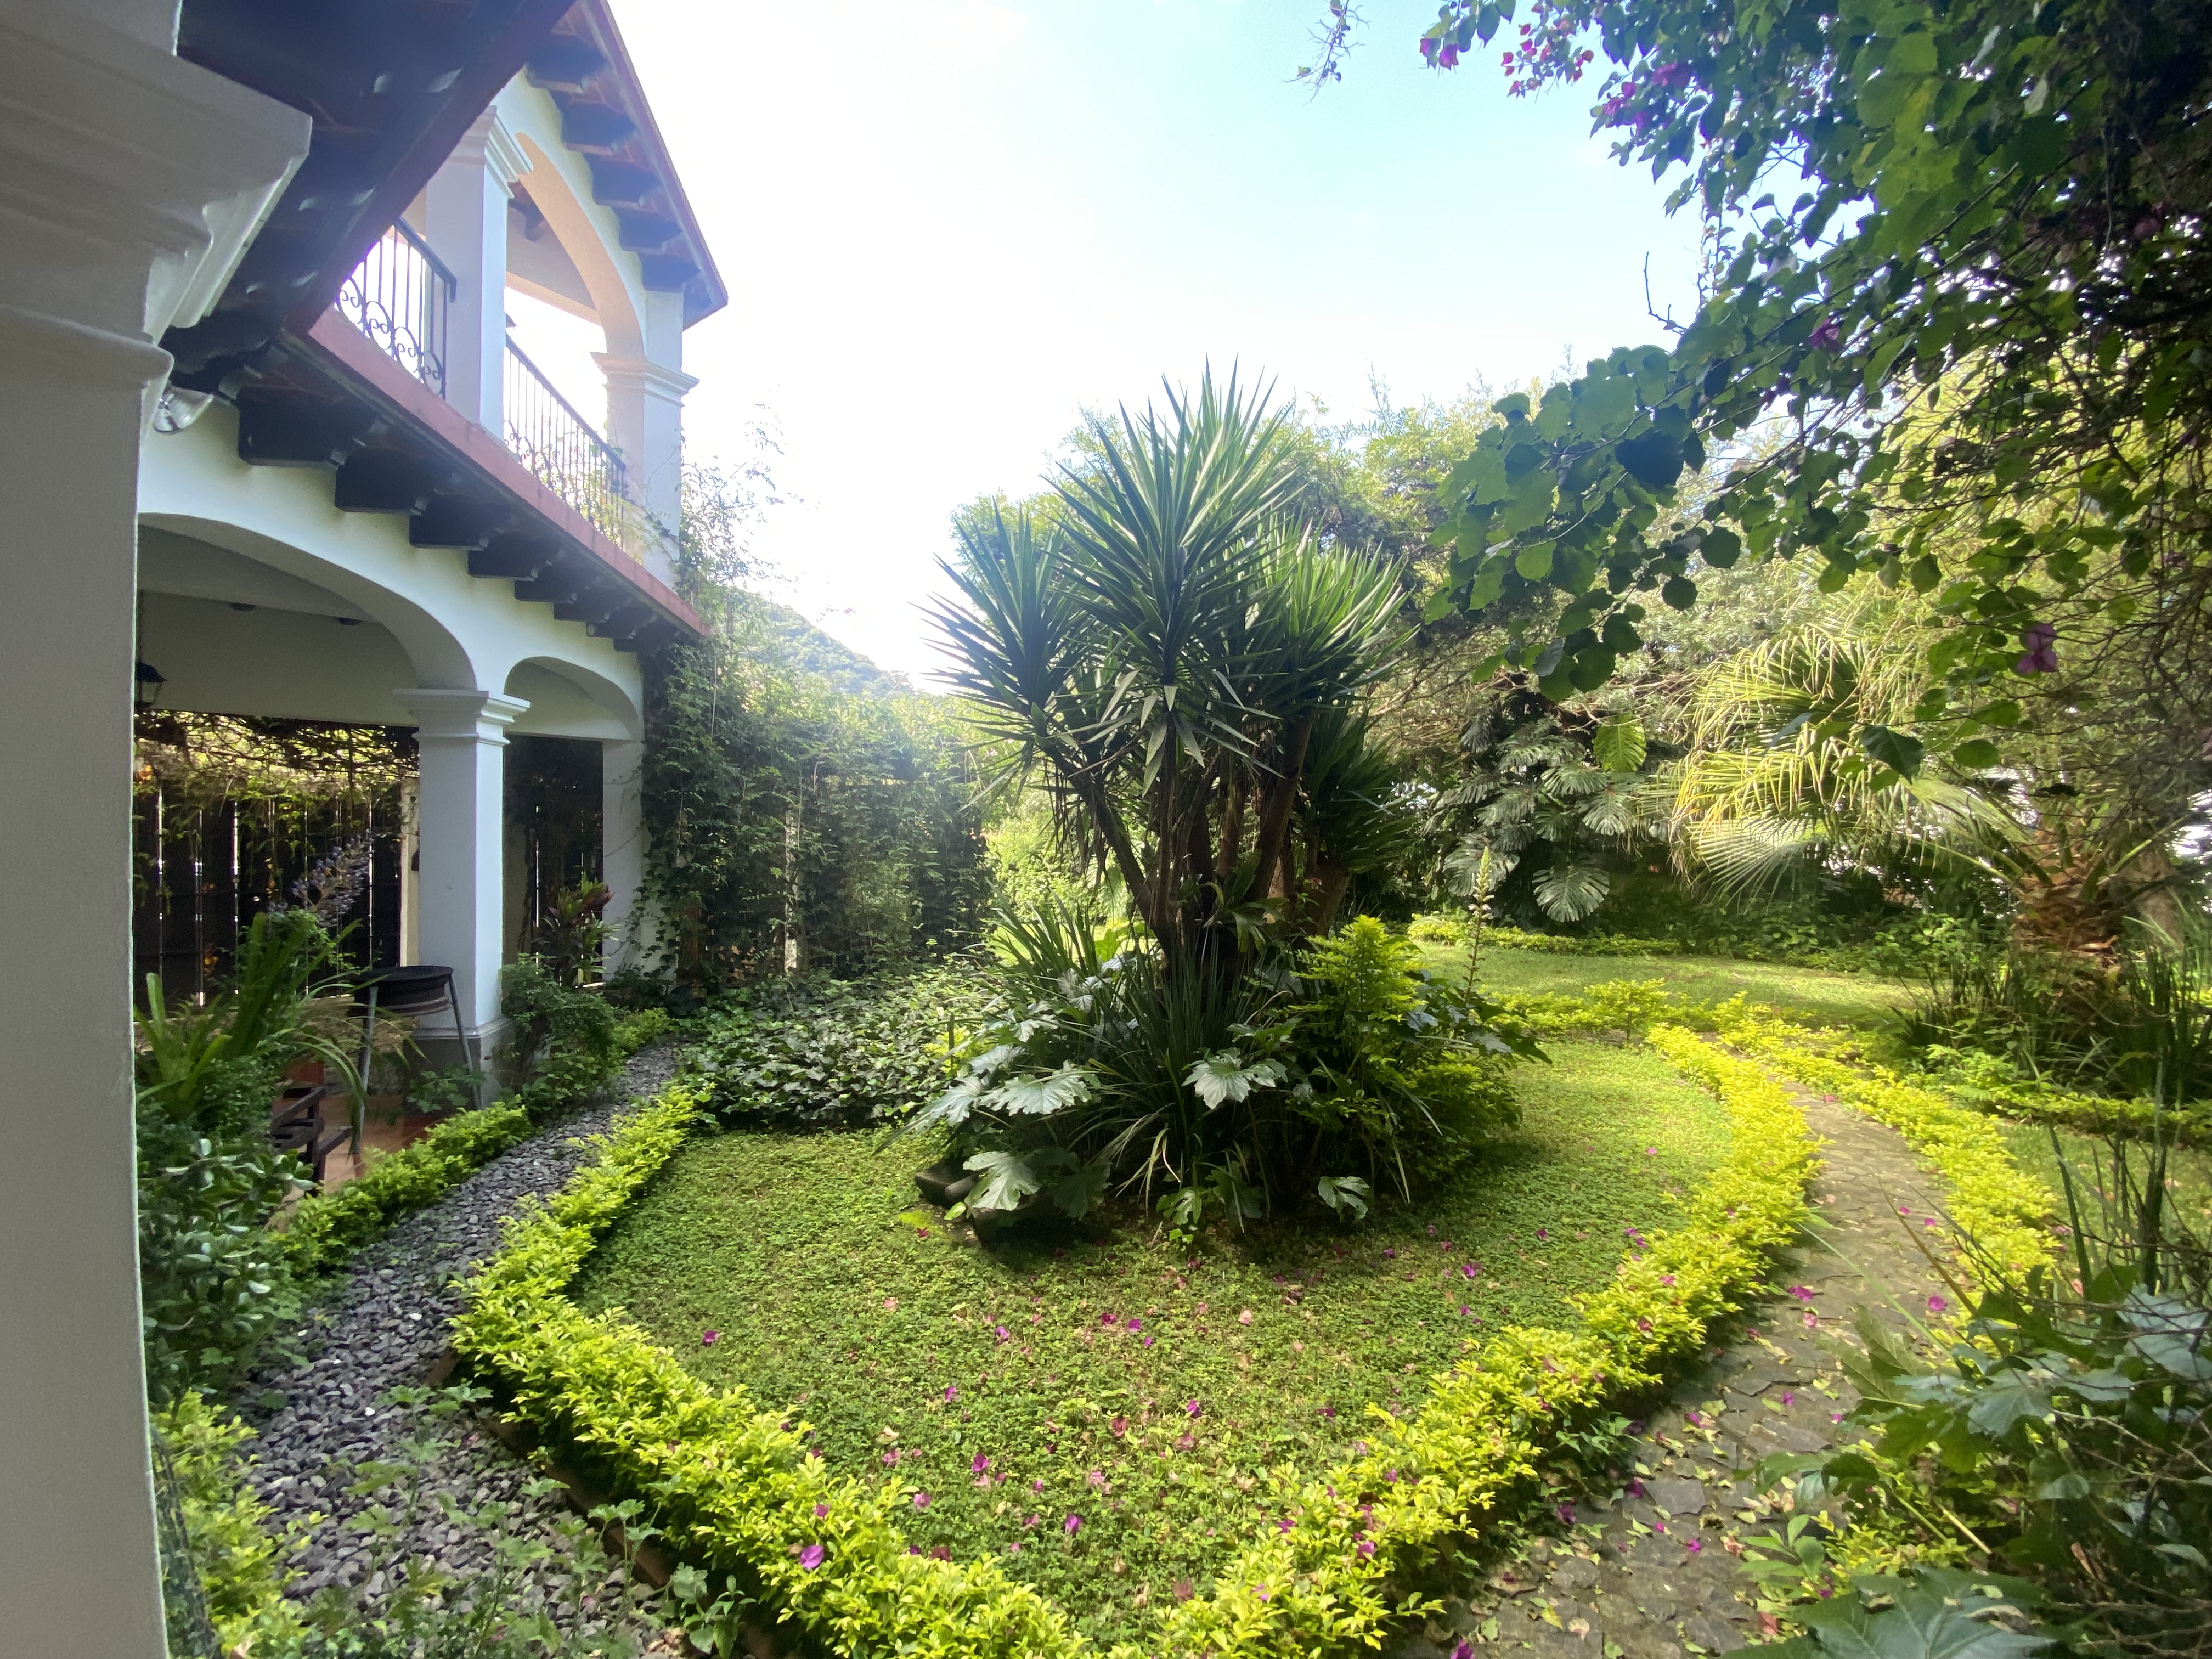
(150, 682)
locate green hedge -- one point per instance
(2005, 1212)
(327, 1227)
(738, 1492)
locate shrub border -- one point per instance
(737, 1491)
(2003, 1211)
(328, 1227)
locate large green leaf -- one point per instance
(1041, 1096)
(1224, 1077)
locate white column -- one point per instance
(132, 181)
(459, 832)
(645, 421)
(621, 850)
(464, 221)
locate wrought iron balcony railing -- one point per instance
(401, 297)
(560, 448)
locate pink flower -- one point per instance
(1283, 1524)
(890, 1304)
(1192, 1408)
(1801, 1292)
(1464, 1650)
(821, 1512)
(1666, 1279)
(1812, 1321)
(1469, 1271)
(1133, 1323)
(1037, 1486)
(1073, 1525)
(1789, 1397)
(1389, 1254)
(1244, 1318)
(1826, 336)
(981, 1464)
(2041, 656)
(1694, 1545)
(1366, 1547)
(921, 1500)
(1651, 1151)
(706, 1340)
(1098, 1479)
(1635, 1488)
(1936, 1305)
(1566, 1514)
(1659, 1526)
(951, 1391)
(1107, 1318)
(1643, 1325)
(1328, 1411)
(810, 1557)
(1119, 1427)
(891, 1460)
(1002, 1333)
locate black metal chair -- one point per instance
(418, 989)
(296, 1125)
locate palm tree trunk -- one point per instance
(1280, 793)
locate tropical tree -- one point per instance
(1159, 650)
(1955, 330)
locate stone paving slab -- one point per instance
(1649, 1570)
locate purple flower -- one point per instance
(891, 1460)
(1826, 336)
(921, 1500)
(1936, 1305)
(1464, 1650)
(1107, 1318)
(1260, 1591)
(1788, 1396)
(951, 1391)
(981, 1464)
(1328, 1411)
(1133, 1323)
(1283, 1524)
(1566, 1513)
(706, 1338)
(1801, 1292)
(1666, 1279)
(1073, 1525)
(1389, 1254)
(1635, 1488)
(1002, 1333)
(1366, 1547)
(1192, 1408)
(2041, 656)
(1540, 1233)
(821, 1512)
(1695, 1546)
(810, 1557)
(1468, 1271)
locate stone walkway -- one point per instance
(383, 1326)
(1649, 1571)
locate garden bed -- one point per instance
(1100, 1372)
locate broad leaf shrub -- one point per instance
(818, 1051)
(738, 1493)
(1247, 1095)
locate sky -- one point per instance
(949, 226)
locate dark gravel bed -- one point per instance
(384, 1325)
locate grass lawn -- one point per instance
(1809, 994)
(2188, 1171)
(1097, 1408)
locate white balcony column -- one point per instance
(645, 421)
(133, 181)
(622, 849)
(460, 835)
(464, 221)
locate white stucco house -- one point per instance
(264, 433)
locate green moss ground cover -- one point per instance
(1809, 994)
(1102, 1374)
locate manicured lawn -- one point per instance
(1811, 994)
(1102, 1374)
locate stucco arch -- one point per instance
(568, 699)
(582, 241)
(441, 659)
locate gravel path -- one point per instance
(1649, 1573)
(384, 1325)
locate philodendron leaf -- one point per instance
(1041, 1096)
(1619, 743)
(1342, 1193)
(1079, 1192)
(952, 1108)
(1003, 1180)
(1224, 1077)
(1938, 1614)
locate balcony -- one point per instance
(560, 449)
(401, 297)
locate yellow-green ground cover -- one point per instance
(1104, 1375)
(1805, 994)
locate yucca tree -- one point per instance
(1163, 658)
